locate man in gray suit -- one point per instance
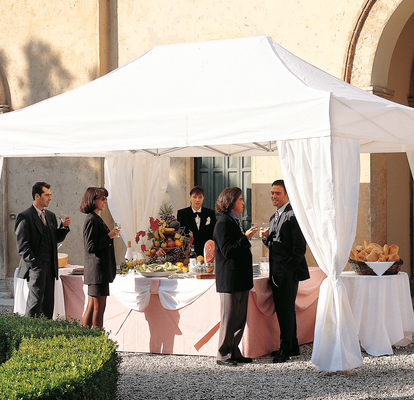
(37, 234)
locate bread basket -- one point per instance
(62, 259)
(363, 269)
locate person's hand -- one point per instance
(264, 233)
(113, 233)
(249, 233)
(66, 222)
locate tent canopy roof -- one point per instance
(226, 97)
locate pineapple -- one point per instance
(166, 214)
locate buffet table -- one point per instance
(382, 309)
(181, 316)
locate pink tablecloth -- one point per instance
(194, 329)
(262, 333)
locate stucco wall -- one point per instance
(316, 31)
(47, 48)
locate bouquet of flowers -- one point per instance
(167, 240)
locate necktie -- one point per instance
(240, 225)
(42, 217)
(197, 213)
(276, 216)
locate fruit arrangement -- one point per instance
(168, 242)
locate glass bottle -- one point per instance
(192, 260)
(129, 256)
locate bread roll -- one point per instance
(353, 255)
(362, 256)
(368, 249)
(394, 249)
(386, 250)
(376, 245)
(376, 250)
(366, 244)
(373, 256)
(359, 248)
(383, 257)
(394, 257)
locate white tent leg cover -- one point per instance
(323, 189)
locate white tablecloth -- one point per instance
(21, 291)
(382, 309)
(134, 291)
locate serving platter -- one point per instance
(76, 272)
(157, 274)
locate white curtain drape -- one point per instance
(323, 186)
(136, 184)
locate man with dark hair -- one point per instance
(287, 248)
(37, 234)
(197, 219)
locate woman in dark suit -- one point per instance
(234, 275)
(100, 265)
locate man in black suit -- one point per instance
(287, 248)
(37, 233)
(234, 275)
(197, 219)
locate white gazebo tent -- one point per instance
(244, 97)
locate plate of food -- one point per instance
(157, 274)
(77, 271)
(156, 270)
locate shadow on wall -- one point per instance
(46, 75)
(5, 98)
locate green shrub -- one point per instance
(43, 359)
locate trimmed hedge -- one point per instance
(44, 359)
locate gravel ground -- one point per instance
(151, 376)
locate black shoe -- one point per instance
(243, 359)
(228, 362)
(291, 353)
(281, 356)
(294, 352)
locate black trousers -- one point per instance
(284, 297)
(41, 284)
(233, 316)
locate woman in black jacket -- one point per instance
(234, 275)
(100, 265)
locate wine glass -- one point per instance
(118, 227)
(254, 225)
(263, 229)
(264, 265)
(62, 217)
